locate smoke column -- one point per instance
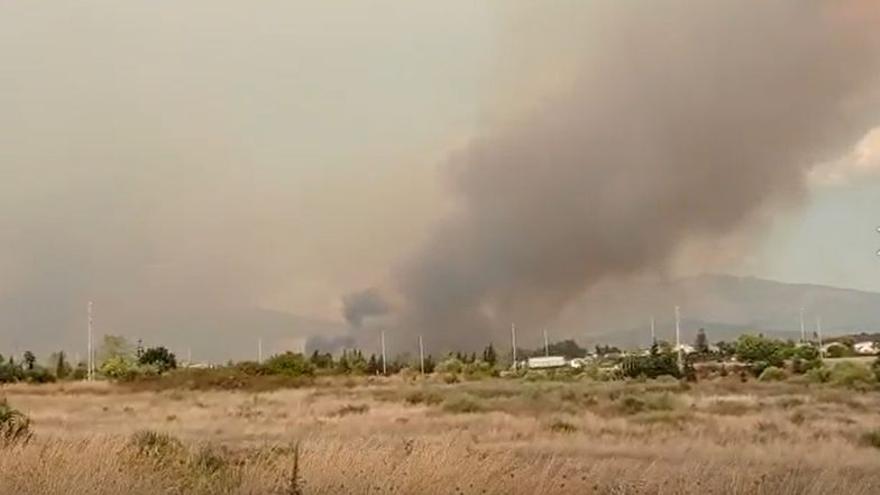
(684, 121)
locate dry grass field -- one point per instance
(498, 436)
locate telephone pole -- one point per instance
(384, 368)
(513, 343)
(422, 355)
(546, 344)
(653, 333)
(91, 360)
(803, 328)
(678, 338)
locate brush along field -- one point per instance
(496, 436)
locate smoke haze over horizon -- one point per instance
(203, 171)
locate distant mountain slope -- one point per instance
(724, 305)
(613, 313)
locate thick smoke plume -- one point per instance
(360, 305)
(684, 121)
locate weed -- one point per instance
(562, 426)
(464, 403)
(153, 444)
(15, 427)
(871, 439)
(349, 409)
(423, 397)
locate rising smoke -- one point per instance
(361, 305)
(684, 121)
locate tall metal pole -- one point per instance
(803, 328)
(513, 343)
(422, 354)
(90, 361)
(653, 333)
(678, 337)
(546, 344)
(384, 368)
(819, 335)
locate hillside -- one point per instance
(724, 305)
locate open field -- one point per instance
(408, 436)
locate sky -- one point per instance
(158, 156)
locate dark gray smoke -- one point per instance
(358, 306)
(685, 120)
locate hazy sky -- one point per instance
(166, 154)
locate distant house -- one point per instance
(867, 348)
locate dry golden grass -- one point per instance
(494, 436)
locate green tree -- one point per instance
(489, 355)
(567, 348)
(30, 361)
(321, 361)
(114, 346)
(701, 343)
(58, 363)
(373, 365)
(761, 352)
(430, 364)
(160, 357)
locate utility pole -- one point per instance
(653, 334)
(91, 360)
(678, 337)
(513, 343)
(819, 335)
(546, 344)
(384, 368)
(422, 355)
(803, 328)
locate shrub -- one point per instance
(15, 427)
(872, 439)
(290, 364)
(462, 404)
(657, 363)
(820, 374)
(349, 409)
(850, 374)
(423, 397)
(562, 426)
(156, 445)
(875, 367)
(450, 365)
(119, 368)
(208, 460)
(772, 374)
(631, 405)
(38, 374)
(838, 351)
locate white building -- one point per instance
(685, 348)
(545, 362)
(867, 348)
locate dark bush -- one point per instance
(159, 357)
